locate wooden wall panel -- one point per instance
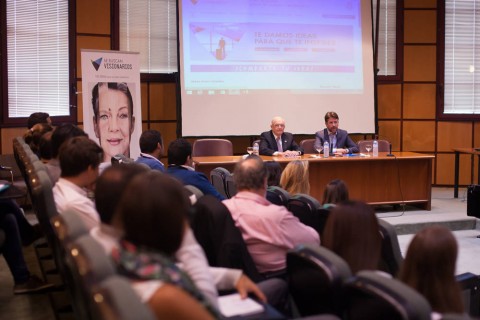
(454, 135)
(390, 130)
(419, 101)
(420, 63)
(144, 90)
(419, 136)
(389, 101)
(92, 17)
(87, 42)
(8, 134)
(79, 102)
(420, 4)
(446, 169)
(168, 131)
(420, 26)
(476, 135)
(162, 101)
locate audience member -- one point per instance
(38, 117)
(24, 281)
(61, 134)
(269, 230)
(276, 142)
(32, 136)
(151, 149)
(274, 170)
(153, 225)
(180, 166)
(294, 177)
(429, 268)
(79, 160)
(338, 139)
(336, 191)
(45, 147)
(352, 232)
(190, 255)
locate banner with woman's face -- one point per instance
(111, 109)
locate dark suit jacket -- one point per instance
(343, 140)
(268, 144)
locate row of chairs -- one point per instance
(224, 147)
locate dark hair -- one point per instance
(77, 154)
(37, 117)
(352, 232)
(178, 151)
(119, 86)
(250, 174)
(110, 186)
(149, 141)
(336, 191)
(152, 213)
(45, 146)
(429, 268)
(274, 170)
(32, 136)
(331, 114)
(62, 133)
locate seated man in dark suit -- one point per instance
(276, 142)
(180, 166)
(338, 139)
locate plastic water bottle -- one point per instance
(255, 149)
(326, 149)
(375, 148)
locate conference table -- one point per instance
(404, 178)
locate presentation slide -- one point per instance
(243, 62)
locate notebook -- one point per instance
(233, 305)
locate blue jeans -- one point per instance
(12, 249)
(24, 227)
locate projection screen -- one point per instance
(242, 62)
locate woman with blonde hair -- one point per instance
(294, 177)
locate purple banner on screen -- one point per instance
(266, 68)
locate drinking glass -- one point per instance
(368, 147)
(319, 149)
(250, 150)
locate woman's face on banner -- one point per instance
(114, 123)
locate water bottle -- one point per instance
(326, 149)
(375, 148)
(255, 149)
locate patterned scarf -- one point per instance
(143, 264)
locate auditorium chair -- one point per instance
(370, 295)
(391, 256)
(278, 196)
(315, 278)
(218, 180)
(230, 186)
(115, 299)
(212, 147)
(383, 145)
(307, 145)
(308, 210)
(192, 190)
(215, 231)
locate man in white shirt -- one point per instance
(79, 160)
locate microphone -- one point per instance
(390, 152)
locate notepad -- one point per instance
(233, 305)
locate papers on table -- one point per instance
(233, 305)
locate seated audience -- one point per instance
(45, 148)
(32, 136)
(352, 232)
(190, 255)
(429, 268)
(151, 149)
(277, 142)
(61, 134)
(12, 252)
(294, 177)
(153, 225)
(38, 117)
(269, 230)
(336, 191)
(274, 170)
(79, 160)
(180, 166)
